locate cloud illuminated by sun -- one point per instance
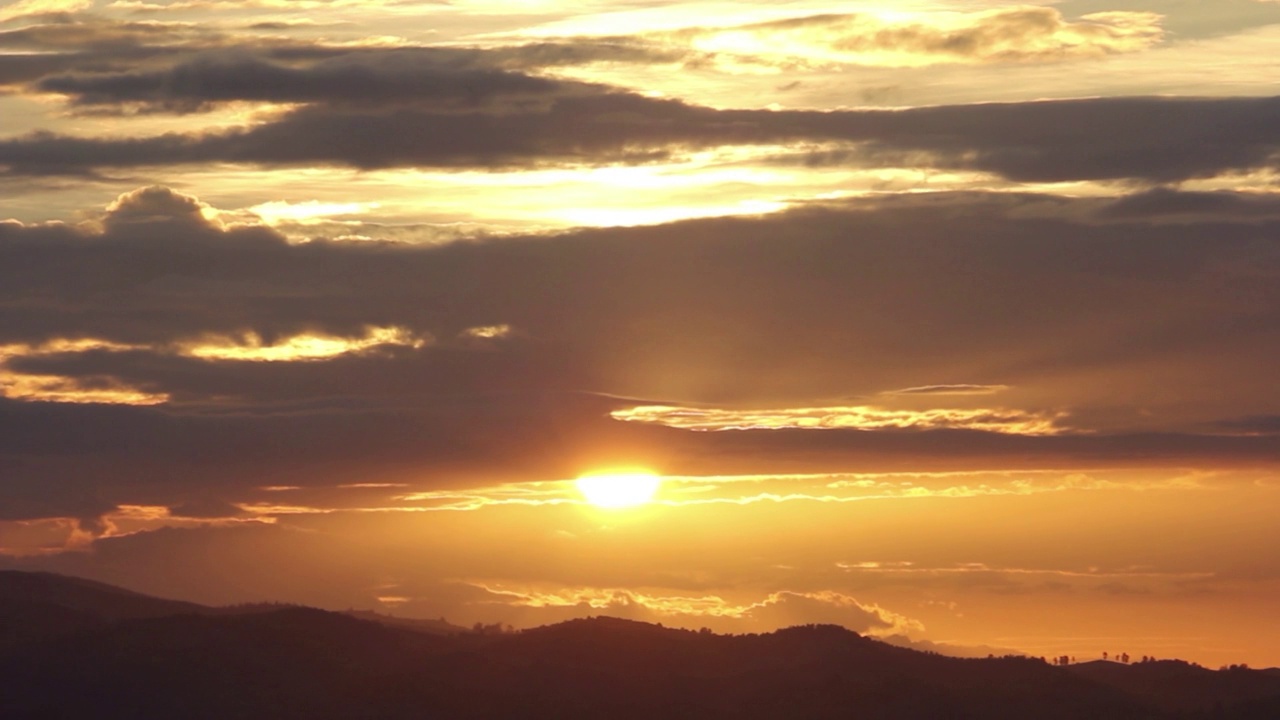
(617, 490)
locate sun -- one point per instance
(614, 490)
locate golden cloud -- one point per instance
(304, 346)
(856, 417)
(1019, 34)
(775, 610)
(26, 8)
(249, 347)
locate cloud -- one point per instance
(862, 417)
(157, 205)
(305, 347)
(1182, 206)
(160, 255)
(504, 357)
(102, 45)
(495, 107)
(1252, 425)
(776, 610)
(206, 508)
(295, 5)
(30, 8)
(1023, 34)
(1141, 139)
(356, 79)
(960, 389)
(786, 608)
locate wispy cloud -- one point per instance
(860, 417)
(28, 8)
(959, 389)
(905, 39)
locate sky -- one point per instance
(953, 323)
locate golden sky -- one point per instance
(954, 323)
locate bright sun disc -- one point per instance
(619, 490)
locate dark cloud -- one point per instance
(183, 67)
(1168, 203)
(794, 310)
(1253, 425)
(206, 508)
(31, 490)
(1144, 139)
(357, 79)
(489, 107)
(797, 450)
(617, 310)
(97, 34)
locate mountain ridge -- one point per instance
(287, 662)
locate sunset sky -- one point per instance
(954, 323)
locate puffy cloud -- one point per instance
(787, 608)
(158, 205)
(776, 610)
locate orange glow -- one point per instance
(613, 491)
(301, 347)
(862, 417)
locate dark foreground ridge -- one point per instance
(71, 649)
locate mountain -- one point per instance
(1178, 685)
(35, 606)
(41, 605)
(291, 663)
(99, 600)
(422, 625)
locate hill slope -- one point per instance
(304, 663)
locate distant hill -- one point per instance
(431, 627)
(294, 663)
(1178, 685)
(36, 606)
(99, 600)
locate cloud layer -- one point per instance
(331, 302)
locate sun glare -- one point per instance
(619, 490)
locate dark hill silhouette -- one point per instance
(292, 663)
(36, 606)
(1178, 685)
(95, 599)
(422, 625)
(41, 605)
